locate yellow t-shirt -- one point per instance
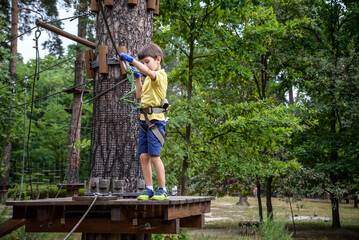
(153, 92)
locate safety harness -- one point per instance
(145, 111)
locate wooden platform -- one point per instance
(111, 215)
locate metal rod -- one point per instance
(65, 34)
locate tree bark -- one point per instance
(355, 201)
(260, 209)
(335, 212)
(14, 33)
(269, 198)
(113, 145)
(73, 159)
(291, 97)
(185, 165)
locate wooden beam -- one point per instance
(65, 34)
(192, 222)
(10, 225)
(104, 225)
(186, 210)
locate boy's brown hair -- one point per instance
(150, 50)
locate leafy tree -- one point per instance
(328, 66)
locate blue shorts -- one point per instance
(148, 142)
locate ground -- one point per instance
(312, 219)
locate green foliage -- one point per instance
(273, 230)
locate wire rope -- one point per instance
(36, 77)
(47, 96)
(82, 218)
(24, 142)
(48, 68)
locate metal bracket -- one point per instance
(109, 61)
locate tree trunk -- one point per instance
(260, 209)
(355, 198)
(291, 97)
(185, 165)
(333, 178)
(113, 145)
(335, 212)
(269, 198)
(73, 159)
(14, 33)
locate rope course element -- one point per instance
(48, 68)
(56, 20)
(24, 141)
(53, 94)
(36, 77)
(83, 217)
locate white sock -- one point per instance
(150, 187)
(165, 189)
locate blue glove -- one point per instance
(136, 73)
(125, 57)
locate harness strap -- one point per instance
(151, 110)
(159, 135)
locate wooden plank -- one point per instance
(95, 225)
(10, 225)
(103, 54)
(68, 201)
(192, 222)
(89, 57)
(186, 210)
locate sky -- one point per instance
(27, 44)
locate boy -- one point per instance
(151, 93)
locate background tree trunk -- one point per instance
(260, 209)
(73, 159)
(335, 212)
(113, 145)
(269, 197)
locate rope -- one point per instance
(36, 77)
(108, 28)
(53, 94)
(83, 217)
(48, 68)
(24, 141)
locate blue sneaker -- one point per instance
(160, 194)
(146, 194)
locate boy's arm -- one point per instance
(138, 84)
(141, 67)
(144, 69)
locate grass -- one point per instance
(222, 222)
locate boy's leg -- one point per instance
(160, 170)
(162, 192)
(147, 175)
(146, 168)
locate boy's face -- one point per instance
(151, 63)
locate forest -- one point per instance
(263, 94)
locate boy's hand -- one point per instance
(125, 57)
(136, 73)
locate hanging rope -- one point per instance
(24, 141)
(36, 77)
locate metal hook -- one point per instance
(37, 33)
